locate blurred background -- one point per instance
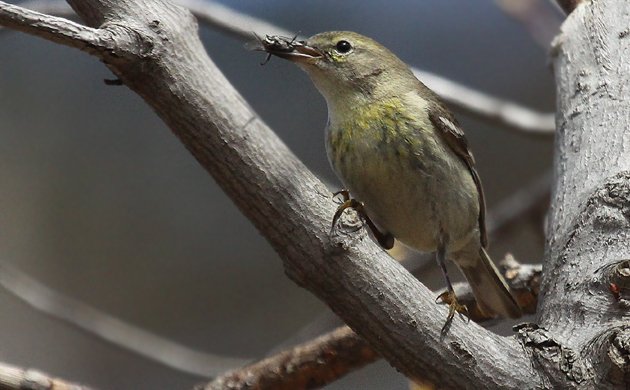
(99, 201)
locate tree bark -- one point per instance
(583, 325)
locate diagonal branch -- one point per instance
(160, 57)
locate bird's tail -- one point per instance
(492, 293)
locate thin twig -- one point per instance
(111, 329)
(334, 354)
(18, 378)
(478, 104)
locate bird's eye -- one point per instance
(343, 47)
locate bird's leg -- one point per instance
(448, 296)
(385, 240)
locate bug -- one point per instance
(275, 44)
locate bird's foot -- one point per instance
(385, 240)
(448, 297)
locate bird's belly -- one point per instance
(420, 195)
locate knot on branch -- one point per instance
(607, 209)
(612, 201)
(126, 36)
(552, 357)
(348, 229)
(618, 355)
(121, 41)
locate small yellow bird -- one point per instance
(403, 157)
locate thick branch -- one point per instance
(333, 355)
(168, 67)
(581, 314)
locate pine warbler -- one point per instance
(403, 157)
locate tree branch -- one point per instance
(55, 29)
(581, 323)
(17, 378)
(161, 58)
(306, 366)
(333, 355)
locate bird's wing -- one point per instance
(453, 134)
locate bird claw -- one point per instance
(449, 298)
(385, 240)
(345, 196)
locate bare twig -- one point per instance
(232, 22)
(334, 354)
(475, 103)
(112, 329)
(17, 378)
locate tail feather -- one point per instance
(492, 293)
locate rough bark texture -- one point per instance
(583, 323)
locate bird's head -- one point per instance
(346, 66)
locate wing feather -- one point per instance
(453, 135)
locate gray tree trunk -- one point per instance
(583, 308)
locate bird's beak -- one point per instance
(289, 49)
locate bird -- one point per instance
(403, 158)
